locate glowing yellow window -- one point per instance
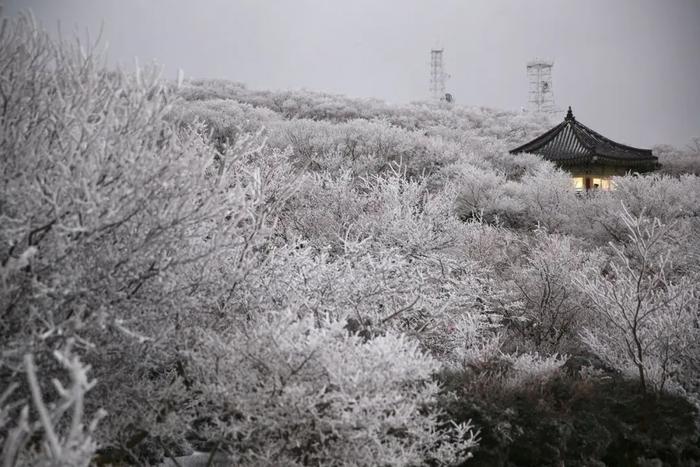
(578, 183)
(605, 184)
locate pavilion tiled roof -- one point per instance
(573, 143)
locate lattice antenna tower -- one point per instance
(541, 95)
(438, 77)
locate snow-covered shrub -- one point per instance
(309, 141)
(550, 308)
(47, 437)
(530, 369)
(450, 121)
(324, 211)
(513, 166)
(290, 390)
(117, 226)
(549, 198)
(491, 246)
(313, 142)
(403, 213)
(647, 324)
(666, 198)
(481, 188)
(435, 300)
(679, 162)
(542, 196)
(659, 196)
(225, 119)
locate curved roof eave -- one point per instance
(539, 141)
(585, 138)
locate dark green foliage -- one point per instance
(575, 421)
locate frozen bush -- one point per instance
(433, 299)
(404, 214)
(324, 211)
(514, 167)
(659, 196)
(313, 142)
(678, 162)
(116, 225)
(225, 119)
(305, 391)
(481, 188)
(549, 198)
(647, 324)
(529, 369)
(551, 309)
(452, 121)
(542, 197)
(46, 437)
(654, 195)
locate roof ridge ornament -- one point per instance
(570, 115)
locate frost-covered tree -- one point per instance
(647, 324)
(551, 309)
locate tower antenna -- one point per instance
(541, 95)
(437, 75)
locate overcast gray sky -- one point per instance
(629, 68)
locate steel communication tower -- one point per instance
(539, 74)
(437, 75)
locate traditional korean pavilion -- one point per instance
(592, 159)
